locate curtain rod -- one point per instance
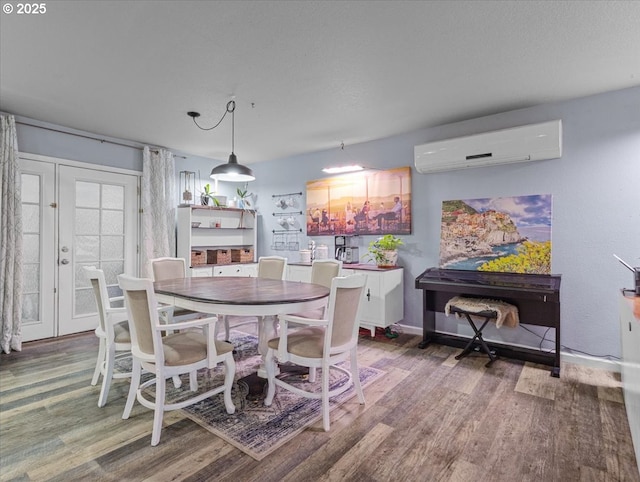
(102, 141)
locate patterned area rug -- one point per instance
(255, 429)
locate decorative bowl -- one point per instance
(195, 224)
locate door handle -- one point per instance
(64, 261)
(369, 295)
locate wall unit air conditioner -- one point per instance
(533, 142)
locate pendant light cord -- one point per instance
(231, 107)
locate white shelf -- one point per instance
(236, 229)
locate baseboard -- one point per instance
(590, 361)
(584, 360)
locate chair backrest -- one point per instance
(343, 312)
(140, 300)
(324, 270)
(168, 268)
(99, 285)
(272, 267)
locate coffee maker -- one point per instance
(347, 249)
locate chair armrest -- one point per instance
(115, 315)
(209, 333)
(188, 324)
(303, 321)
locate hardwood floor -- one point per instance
(429, 418)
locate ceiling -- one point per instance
(306, 75)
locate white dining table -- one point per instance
(260, 297)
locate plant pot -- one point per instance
(388, 259)
(204, 200)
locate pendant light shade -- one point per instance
(232, 171)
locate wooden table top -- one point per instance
(241, 291)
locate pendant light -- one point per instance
(231, 171)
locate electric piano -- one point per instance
(536, 296)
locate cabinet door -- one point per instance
(201, 272)
(373, 304)
(372, 309)
(250, 270)
(227, 270)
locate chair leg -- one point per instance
(271, 375)
(355, 374)
(99, 362)
(158, 411)
(325, 397)
(312, 374)
(108, 374)
(177, 382)
(226, 328)
(229, 373)
(193, 381)
(136, 369)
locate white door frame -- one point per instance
(33, 334)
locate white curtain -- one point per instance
(158, 206)
(10, 239)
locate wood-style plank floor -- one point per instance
(429, 418)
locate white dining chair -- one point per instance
(269, 267)
(171, 355)
(322, 273)
(112, 332)
(323, 344)
(172, 268)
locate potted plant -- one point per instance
(208, 194)
(384, 250)
(243, 196)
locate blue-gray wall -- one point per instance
(595, 188)
(596, 206)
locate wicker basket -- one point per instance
(218, 256)
(244, 255)
(198, 258)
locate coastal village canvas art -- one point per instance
(507, 234)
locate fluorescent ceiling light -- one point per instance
(340, 169)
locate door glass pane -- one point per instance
(30, 307)
(31, 278)
(87, 248)
(85, 301)
(111, 271)
(30, 218)
(87, 194)
(30, 191)
(112, 247)
(112, 197)
(112, 222)
(87, 221)
(31, 246)
(99, 239)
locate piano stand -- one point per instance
(537, 298)
(488, 316)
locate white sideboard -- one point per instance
(383, 303)
(630, 338)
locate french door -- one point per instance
(85, 217)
